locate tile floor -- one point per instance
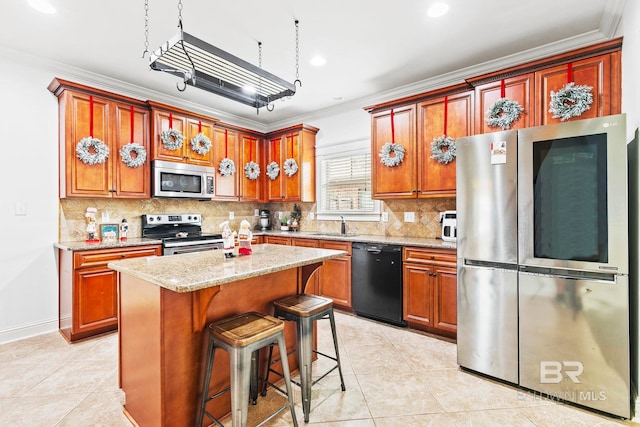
(394, 377)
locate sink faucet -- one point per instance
(343, 226)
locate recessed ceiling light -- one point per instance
(42, 6)
(318, 61)
(337, 98)
(437, 9)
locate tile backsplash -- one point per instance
(72, 223)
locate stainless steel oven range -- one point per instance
(180, 233)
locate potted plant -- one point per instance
(296, 217)
(284, 223)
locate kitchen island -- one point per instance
(165, 304)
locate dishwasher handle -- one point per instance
(376, 249)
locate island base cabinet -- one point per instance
(430, 290)
(163, 343)
(88, 298)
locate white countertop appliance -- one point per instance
(449, 228)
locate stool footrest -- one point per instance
(273, 362)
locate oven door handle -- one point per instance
(193, 243)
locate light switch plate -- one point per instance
(384, 217)
(409, 217)
(312, 216)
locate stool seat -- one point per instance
(245, 329)
(303, 305)
(242, 336)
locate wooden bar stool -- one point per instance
(242, 337)
(304, 309)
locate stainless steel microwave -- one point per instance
(171, 179)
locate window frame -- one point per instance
(340, 150)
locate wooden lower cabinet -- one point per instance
(88, 290)
(335, 275)
(430, 290)
(333, 279)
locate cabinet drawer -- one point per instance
(82, 259)
(339, 246)
(276, 240)
(309, 243)
(444, 257)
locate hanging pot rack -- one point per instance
(202, 65)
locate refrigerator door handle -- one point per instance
(489, 264)
(606, 278)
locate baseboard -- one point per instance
(27, 331)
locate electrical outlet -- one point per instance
(279, 215)
(20, 209)
(106, 217)
(312, 216)
(385, 217)
(256, 212)
(231, 215)
(409, 217)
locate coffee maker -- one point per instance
(264, 221)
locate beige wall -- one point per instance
(72, 220)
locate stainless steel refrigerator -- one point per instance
(543, 286)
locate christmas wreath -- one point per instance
(128, 159)
(570, 101)
(290, 166)
(172, 139)
(227, 167)
(273, 170)
(201, 144)
(391, 154)
(503, 113)
(252, 170)
(92, 151)
(443, 149)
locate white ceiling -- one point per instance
(375, 49)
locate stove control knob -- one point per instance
(158, 218)
(195, 217)
(189, 218)
(150, 219)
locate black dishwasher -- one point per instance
(376, 282)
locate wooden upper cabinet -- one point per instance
(397, 181)
(85, 112)
(519, 88)
(225, 145)
(189, 125)
(298, 143)
(597, 72)
(132, 181)
(438, 179)
(251, 150)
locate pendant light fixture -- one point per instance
(202, 65)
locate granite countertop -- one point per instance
(84, 246)
(366, 238)
(198, 270)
